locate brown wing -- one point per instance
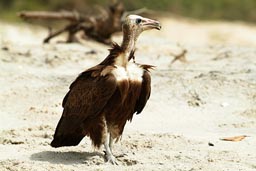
(86, 98)
(145, 92)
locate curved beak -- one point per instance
(148, 24)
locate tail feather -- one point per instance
(67, 133)
(66, 140)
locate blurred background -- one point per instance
(199, 9)
(203, 88)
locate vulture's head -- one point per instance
(134, 25)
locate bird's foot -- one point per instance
(111, 159)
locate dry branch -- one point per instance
(66, 15)
(99, 28)
(181, 57)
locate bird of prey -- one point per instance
(103, 98)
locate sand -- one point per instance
(192, 106)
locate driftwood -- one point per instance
(71, 16)
(181, 56)
(99, 28)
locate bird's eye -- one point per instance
(138, 21)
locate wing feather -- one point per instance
(145, 92)
(86, 98)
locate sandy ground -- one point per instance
(193, 105)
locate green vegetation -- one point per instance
(203, 9)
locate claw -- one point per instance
(108, 153)
(111, 159)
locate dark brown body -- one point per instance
(102, 100)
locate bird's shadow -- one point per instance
(64, 157)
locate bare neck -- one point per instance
(129, 41)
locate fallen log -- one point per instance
(99, 28)
(66, 15)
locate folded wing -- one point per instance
(86, 98)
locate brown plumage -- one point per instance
(103, 98)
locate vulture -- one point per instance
(103, 98)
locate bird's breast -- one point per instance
(120, 73)
(132, 73)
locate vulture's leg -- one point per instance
(111, 140)
(108, 154)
